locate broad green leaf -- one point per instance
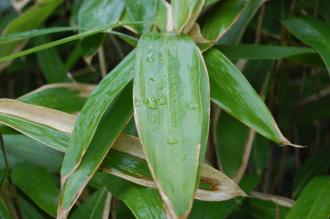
(92, 112)
(234, 94)
(236, 31)
(161, 18)
(314, 165)
(143, 202)
(210, 2)
(66, 97)
(99, 13)
(312, 32)
(97, 206)
(112, 123)
(314, 201)
(254, 51)
(27, 177)
(141, 10)
(13, 37)
(127, 159)
(30, 19)
(50, 63)
(168, 98)
(219, 19)
(185, 13)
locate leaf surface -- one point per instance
(168, 98)
(312, 32)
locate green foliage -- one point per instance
(204, 85)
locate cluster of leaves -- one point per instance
(175, 129)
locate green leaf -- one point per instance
(312, 32)
(30, 19)
(219, 19)
(99, 13)
(314, 201)
(66, 97)
(50, 63)
(13, 37)
(4, 212)
(255, 51)
(97, 206)
(143, 202)
(141, 10)
(93, 14)
(28, 177)
(45, 125)
(236, 31)
(127, 159)
(61, 41)
(108, 130)
(315, 165)
(92, 112)
(234, 94)
(168, 98)
(185, 13)
(26, 149)
(28, 210)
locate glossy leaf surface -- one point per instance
(108, 130)
(234, 94)
(168, 98)
(92, 113)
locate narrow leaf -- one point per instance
(234, 94)
(168, 98)
(92, 113)
(108, 130)
(312, 32)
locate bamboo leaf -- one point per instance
(236, 31)
(127, 160)
(234, 94)
(28, 177)
(93, 14)
(65, 97)
(257, 52)
(141, 10)
(92, 113)
(168, 98)
(313, 33)
(95, 207)
(108, 130)
(218, 21)
(185, 13)
(30, 19)
(314, 201)
(143, 202)
(23, 35)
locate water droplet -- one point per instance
(152, 102)
(151, 78)
(162, 100)
(137, 102)
(164, 75)
(172, 140)
(192, 106)
(150, 57)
